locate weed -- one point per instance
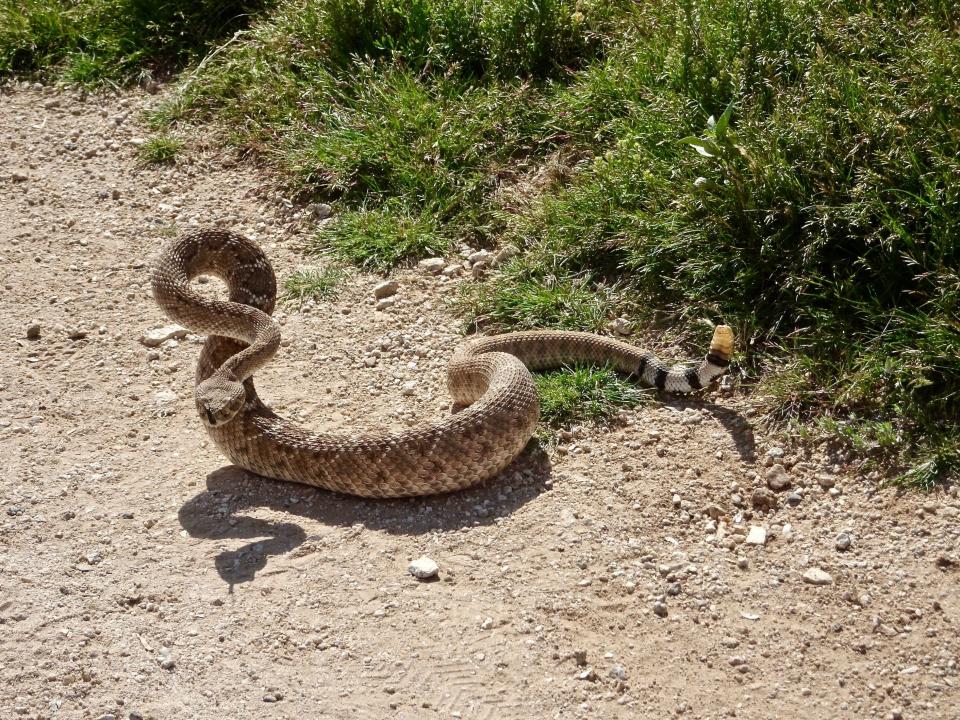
(380, 238)
(579, 394)
(160, 150)
(312, 284)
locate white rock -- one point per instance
(321, 211)
(164, 397)
(816, 576)
(386, 289)
(432, 265)
(621, 326)
(452, 270)
(155, 337)
(483, 256)
(409, 388)
(757, 535)
(506, 252)
(387, 302)
(777, 478)
(423, 568)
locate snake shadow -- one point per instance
(738, 427)
(217, 512)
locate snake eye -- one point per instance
(211, 419)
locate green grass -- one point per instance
(789, 167)
(312, 284)
(91, 42)
(584, 394)
(379, 239)
(160, 150)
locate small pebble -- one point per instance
(816, 576)
(155, 337)
(423, 568)
(777, 478)
(33, 331)
(659, 609)
(386, 289)
(844, 541)
(432, 265)
(320, 211)
(756, 536)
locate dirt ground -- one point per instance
(142, 577)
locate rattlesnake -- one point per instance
(488, 375)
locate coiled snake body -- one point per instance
(489, 375)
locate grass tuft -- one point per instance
(160, 150)
(580, 394)
(380, 239)
(312, 284)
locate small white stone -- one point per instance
(385, 303)
(452, 270)
(757, 535)
(777, 478)
(321, 211)
(816, 576)
(165, 396)
(432, 265)
(483, 256)
(423, 568)
(386, 289)
(409, 388)
(505, 253)
(621, 326)
(155, 337)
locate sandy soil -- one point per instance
(144, 578)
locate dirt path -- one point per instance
(143, 578)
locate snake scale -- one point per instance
(489, 375)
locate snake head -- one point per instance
(219, 398)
